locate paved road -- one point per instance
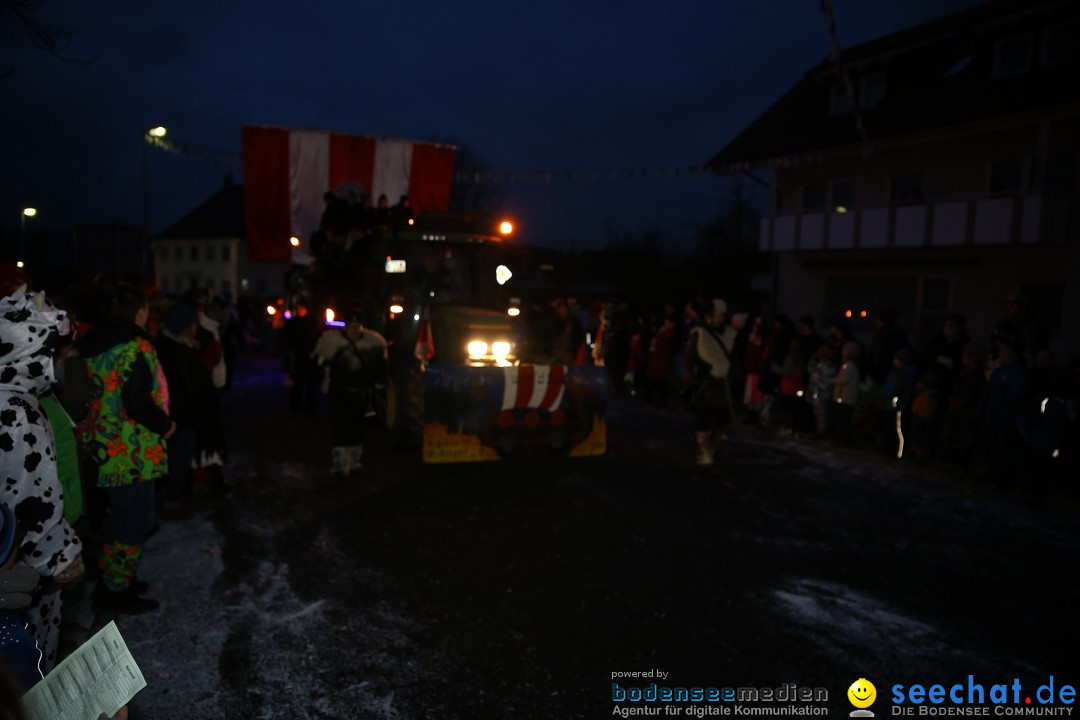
(516, 590)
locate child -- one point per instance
(820, 389)
(845, 393)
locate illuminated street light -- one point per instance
(27, 212)
(506, 227)
(150, 136)
(294, 241)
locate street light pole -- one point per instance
(27, 212)
(150, 136)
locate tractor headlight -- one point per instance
(500, 350)
(477, 348)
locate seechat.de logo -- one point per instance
(862, 695)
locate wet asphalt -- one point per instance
(517, 589)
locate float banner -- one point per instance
(473, 414)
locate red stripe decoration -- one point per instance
(526, 380)
(556, 377)
(431, 177)
(266, 193)
(352, 158)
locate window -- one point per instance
(840, 99)
(178, 253)
(1059, 43)
(1012, 56)
(872, 90)
(226, 286)
(245, 284)
(841, 196)
(814, 198)
(260, 286)
(163, 253)
(164, 283)
(1007, 176)
(194, 254)
(210, 253)
(906, 188)
(226, 255)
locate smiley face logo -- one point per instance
(862, 693)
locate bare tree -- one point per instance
(52, 39)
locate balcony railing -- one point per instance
(981, 221)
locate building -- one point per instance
(206, 251)
(959, 189)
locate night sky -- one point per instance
(528, 87)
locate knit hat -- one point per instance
(179, 318)
(719, 307)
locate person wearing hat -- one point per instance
(354, 359)
(708, 357)
(30, 331)
(125, 433)
(191, 403)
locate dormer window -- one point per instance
(872, 90)
(1012, 56)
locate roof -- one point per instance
(220, 216)
(937, 75)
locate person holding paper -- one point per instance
(30, 332)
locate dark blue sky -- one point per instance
(530, 87)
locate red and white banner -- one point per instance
(287, 172)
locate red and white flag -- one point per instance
(287, 172)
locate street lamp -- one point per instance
(151, 136)
(27, 212)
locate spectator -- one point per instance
(1021, 328)
(302, 331)
(897, 392)
(661, 354)
(822, 371)
(1006, 393)
(355, 361)
(788, 401)
(845, 394)
(887, 339)
(944, 352)
(708, 360)
(925, 416)
(32, 327)
(125, 433)
(960, 435)
(809, 339)
(191, 402)
(753, 357)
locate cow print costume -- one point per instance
(30, 328)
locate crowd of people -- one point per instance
(109, 425)
(999, 409)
